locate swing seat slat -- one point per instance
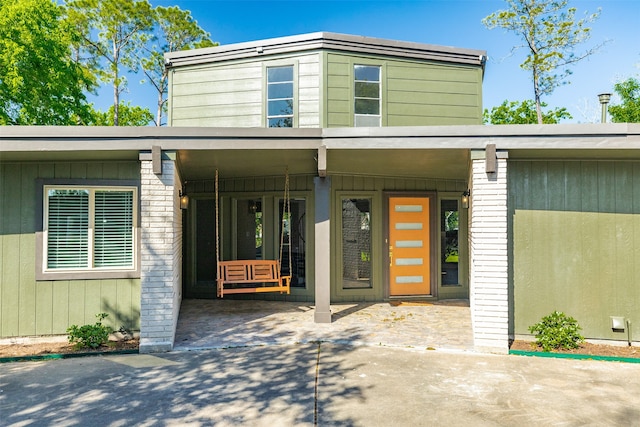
(241, 272)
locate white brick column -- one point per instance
(161, 255)
(488, 254)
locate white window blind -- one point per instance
(113, 237)
(68, 229)
(90, 228)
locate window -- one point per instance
(449, 229)
(356, 243)
(366, 96)
(294, 240)
(89, 228)
(280, 97)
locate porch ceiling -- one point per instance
(443, 164)
(201, 164)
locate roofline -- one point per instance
(326, 41)
(42, 140)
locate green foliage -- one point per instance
(520, 113)
(550, 33)
(174, 30)
(557, 330)
(629, 110)
(40, 84)
(89, 336)
(128, 116)
(113, 32)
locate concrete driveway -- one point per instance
(319, 384)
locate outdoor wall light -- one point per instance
(465, 198)
(184, 200)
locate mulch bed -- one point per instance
(585, 348)
(42, 349)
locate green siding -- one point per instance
(29, 307)
(414, 93)
(231, 94)
(575, 232)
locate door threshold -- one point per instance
(414, 298)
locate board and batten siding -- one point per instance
(414, 93)
(575, 231)
(29, 307)
(233, 94)
(341, 185)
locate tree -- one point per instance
(174, 30)
(521, 113)
(113, 31)
(629, 110)
(128, 116)
(39, 82)
(551, 34)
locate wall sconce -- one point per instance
(253, 207)
(465, 198)
(184, 200)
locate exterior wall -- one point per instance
(341, 185)
(374, 188)
(489, 256)
(414, 93)
(161, 261)
(29, 307)
(232, 94)
(575, 228)
(269, 189)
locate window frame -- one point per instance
(43, 272)
(376, 290)
(355, 97)
(294, 99)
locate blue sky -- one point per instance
(442, 22)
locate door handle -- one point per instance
(390, 256)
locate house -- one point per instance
(384, 202)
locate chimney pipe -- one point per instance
(604, 100)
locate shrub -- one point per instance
(89, 336)
(557, 330)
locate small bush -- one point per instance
(557, 330)
(89, 336)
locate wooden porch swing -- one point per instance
(266, 275)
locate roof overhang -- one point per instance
(401, 151)
(326, 41)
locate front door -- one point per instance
(409, 245)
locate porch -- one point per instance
(210, 323)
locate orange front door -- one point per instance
(409, 243)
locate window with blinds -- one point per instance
(90, 228)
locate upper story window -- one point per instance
(280, 97)
(367, 96)
(89, 228)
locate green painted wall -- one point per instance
(575, 238)
(232, 94)
(414, 93)
(342, 185)
(29, 307)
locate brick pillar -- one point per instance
(161, 254)
(488, 269)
